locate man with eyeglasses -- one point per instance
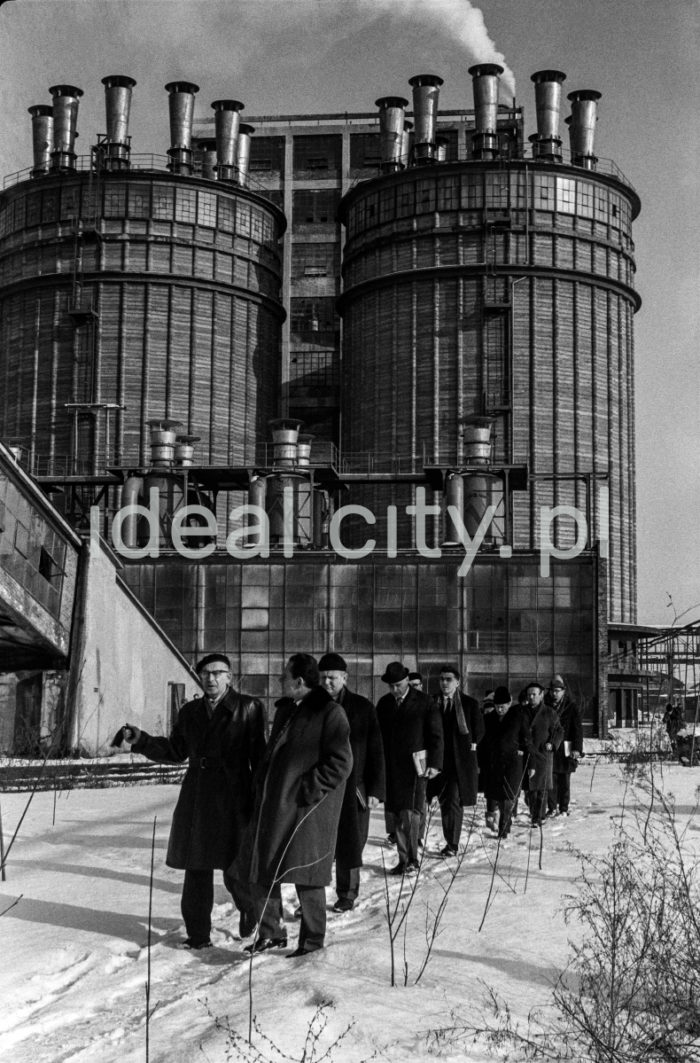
(222, 735)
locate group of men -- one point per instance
(285, 808)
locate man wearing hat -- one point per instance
(410, 724)
(365, 784)
(457, 785)
(547, 735)
(222, 736)
(503, 759)
(566, 757)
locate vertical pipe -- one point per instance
(181, 108)
(426, 93)
(65, 121)
(207, 149)
(548, 84)
(245, 133)
(584, 115)
(407, 143)
(485, 87)
(454, 498)
(227, 120)
(118, 90)
(391, 129)
(42, 137)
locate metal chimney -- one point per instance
(162, 440)
(485, 86)
(181, 103)
(227, 120)
(184, 449)
(584, 115)
(441, 146)
(285, 436)
(245, 132)
(117, 145)
(547, 144)
(42, 137)
(426, 92)
(65, 120)
(407, 142)
(207, 150)
(391, 130)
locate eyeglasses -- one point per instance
(216, 674)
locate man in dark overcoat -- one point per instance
(410, 724)
(364, 785)
(547, 735)
(299, 792)
(456, 787)
(566, 757)
(503, 756)
(222, 735)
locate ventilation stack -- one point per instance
(245, 132)
(117, 145)
(547, 143)
(227, 119)
(65, 122)
(485, 87)
(584, 115)
(42, 137)
(426, 94)
(181, 104)
(392, 110)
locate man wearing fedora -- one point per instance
(413, 747)
(568, 754)
(364, 785)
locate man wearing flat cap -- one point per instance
(547, 735)
(411, 727)
(567, 756)
(222, 736)
(364, 785)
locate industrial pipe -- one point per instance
(426, 93)
(65, 121)
(584, 115)
(227, 120)
(42, 137)
(118, 91)
(547, 144)
(245, 133)
(485, 87)
(181, 107)
(391, 128)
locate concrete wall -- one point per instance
(123, 667)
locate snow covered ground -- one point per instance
(74, 935)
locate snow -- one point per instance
(75, 936)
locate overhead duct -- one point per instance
(426, 94)
(547, 144)
(181, 103)
(42, 137)
(584, 115)
(227, 119)
(245, 133)
(65, 122)
(392, 112)
(485, 87)
(117, 145)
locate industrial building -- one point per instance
(445, 308)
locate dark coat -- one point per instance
(366, 777)
(459, 759)
(216, 798)
(503, 753)
(545, 728)
(572, 728)
(407, 729)
(298, 795)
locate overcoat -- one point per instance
(503, 753)
(544, 728)
(459, 759)
(216, 796)
(407, 729)
(298, 795)
(367, 776)
(572, 728)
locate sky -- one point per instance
(303, 56)
(74, 923)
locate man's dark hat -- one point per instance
(534, 683)
(210, 659)
(501, 696)
(332, 662)
(415, 675)
(395, 672)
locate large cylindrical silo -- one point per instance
(503, 289)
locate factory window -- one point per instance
(317, 153)
(364, 151)
(314, 369)
(315, 260)
(256, 224)
(266, 154)
(206, 210)
(448, 194)
(517, 188)
(115, 201)
(49, 207)
(496, 191)
(585, 199)
(163, 203)
(405, 202)
(601, 204)
(313, 316)
(314, 206)
(33, 209)
(70, 203)
(186, 205)
(226, 215)
(472, 191)
(140, 201)
(425, 196)
(566, 195)
(243, 219)
(387, 207)
(544, 192)
(48, 567)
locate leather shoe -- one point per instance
(400, 869)
(190, 943)
(263, 944)
(300, 952)
(448, 850)
(343, 904)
